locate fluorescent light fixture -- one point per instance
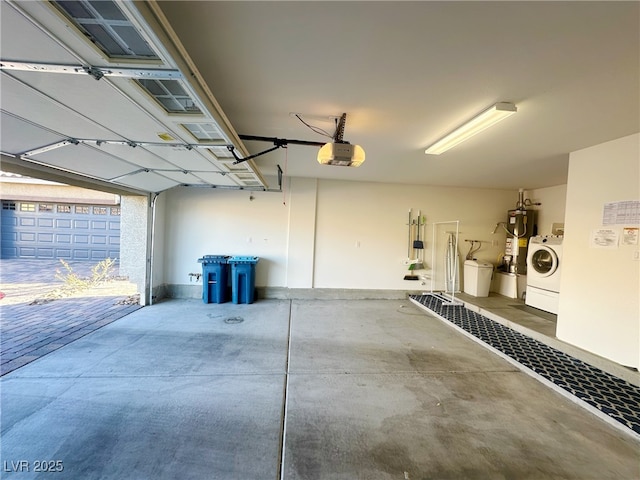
(477, 124)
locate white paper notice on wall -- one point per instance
(621, 213)
(604, 238)
(630, 235)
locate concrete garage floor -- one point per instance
(321, 389)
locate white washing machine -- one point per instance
(544, 262)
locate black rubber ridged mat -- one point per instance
(613, 396)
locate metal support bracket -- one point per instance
(94, 71)
(277, 143)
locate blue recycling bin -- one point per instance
(243, 278)
(215, 278)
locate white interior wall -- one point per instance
(325, 233)
(302, 228)
(362, 232)
(552, 209)
(599, 307)
(205, 221)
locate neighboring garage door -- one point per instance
(60, 230)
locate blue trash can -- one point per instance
(215, 277)
(243, 279)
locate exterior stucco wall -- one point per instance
(134, 231)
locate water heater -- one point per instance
(520, 226)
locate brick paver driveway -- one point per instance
(32, 324)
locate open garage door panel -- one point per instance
(139, 122)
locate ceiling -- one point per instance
(405, 73)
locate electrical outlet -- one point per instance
(636, 255)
